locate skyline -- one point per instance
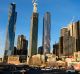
(60, 17)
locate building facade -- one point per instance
(74, 29)
(10, 33)
(68, 45)
(63, 31)
(76, 34)
(61, 46)
(56, 49)
(33, 31)
(22, 45)
(40, 50)
(46, 32)
(21, 49)
(69, 40)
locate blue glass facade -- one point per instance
(10, 33)
(46, 32)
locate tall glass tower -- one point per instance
(33, 31)
(10, 32)
(46, 32)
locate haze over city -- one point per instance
(62, 13)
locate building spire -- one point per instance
(34, 6)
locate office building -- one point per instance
(22, 46)
(22, 43)
(74, 29)
(33, 31)
(63, 31)
(68, 45)
(46, 32)
(70, 39)
(21, 49)
(76, 34)
(60, 46)
(56, 49)
(10, 32)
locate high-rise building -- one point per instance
(68, 45)
(33, 31)
(46, 32)
(70, 39)
(56, 49)
(22, 48)
(60, 45)
(74, 29)
(63, 32)
(22, 45)
(10, 33)
(76, 34)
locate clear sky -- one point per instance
(62, 12)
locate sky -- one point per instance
(62, 13)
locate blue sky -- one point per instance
(62, 12)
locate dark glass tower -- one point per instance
(10, 33)
(33, 31)
(46, 32)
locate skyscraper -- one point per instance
(70, 39)
(68, 44)
(10, 33)
(22, 45)
(56, 49)
(74, 29)
(46, 32)
(33, 31)
(60, 45)
(63, 33)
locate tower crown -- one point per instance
(34, 6)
